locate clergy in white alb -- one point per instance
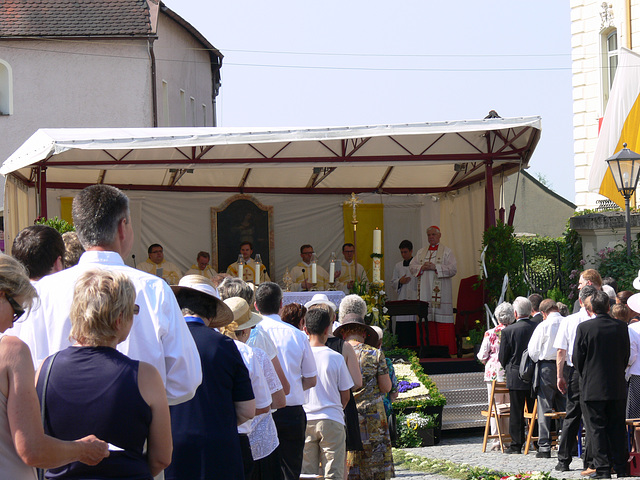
(158, 266)
(348, 271)
(405, 286)
(434, 266)
(202, 267)
(302, 273)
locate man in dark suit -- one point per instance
(513, 342)
(600, 355)
(536, 314)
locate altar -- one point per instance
(304, 297)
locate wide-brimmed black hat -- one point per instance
(353, 318)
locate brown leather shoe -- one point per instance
(587, 472)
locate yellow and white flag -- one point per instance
(621, 124)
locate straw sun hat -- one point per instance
(242, 314)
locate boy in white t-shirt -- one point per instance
(325, 434)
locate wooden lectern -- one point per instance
(413, 307)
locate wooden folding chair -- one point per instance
(494, 412)
(531, 418)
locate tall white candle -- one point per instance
(377, 241)
(314, 273)
(332, 272)
(258, 268)
(240, 271)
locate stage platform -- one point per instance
(461, 381)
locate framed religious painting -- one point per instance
(241, 218)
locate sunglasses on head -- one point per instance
(18, 311)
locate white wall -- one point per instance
(184, 65)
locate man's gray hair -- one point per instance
(97, 211)
(586, 292)
(352, 304)
(504, 313)
(522, 307)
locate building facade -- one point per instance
(598, 30)
(113, 63)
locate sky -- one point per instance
(339, 63)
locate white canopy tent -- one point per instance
(175, 175)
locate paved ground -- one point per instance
(467, 448)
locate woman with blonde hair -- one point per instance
(91, 387)
(22, 438)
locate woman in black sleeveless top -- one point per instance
(93, 388)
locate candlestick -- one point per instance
(258, 268)
(377, 241)
(240, 267)
(314, 268)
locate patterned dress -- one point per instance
(375, 462)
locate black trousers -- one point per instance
(518, 398)
(571, 423)
(605, 422)
(291, 423)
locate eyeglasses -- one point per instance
(18, 311)
(136, 309)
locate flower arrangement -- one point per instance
(412, 387)
(404, 386)
(417, 420)
(410, 426)
(408, 368)
(375, 297)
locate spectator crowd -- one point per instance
(115, 372)
(586, 373)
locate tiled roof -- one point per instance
(21, 18)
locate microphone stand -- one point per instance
(134, 261)
(304, 277)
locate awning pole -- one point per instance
(42, 180)
(489, 205)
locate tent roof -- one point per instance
(410, 158)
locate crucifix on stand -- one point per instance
(353, 201)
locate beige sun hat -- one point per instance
(636, 282)
(205, 288)
(242, 314)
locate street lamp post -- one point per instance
(625, 167)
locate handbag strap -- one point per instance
(42, 402)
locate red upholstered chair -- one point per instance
(470, 307)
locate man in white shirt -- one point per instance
(568, 380)
(542, 351)
(296, 358)
(159, 335)
(325, 441)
